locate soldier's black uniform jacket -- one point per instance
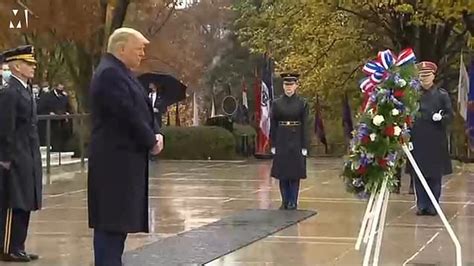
(289, 133)
(429, 138)
(21, 186)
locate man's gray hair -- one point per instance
(121, 36)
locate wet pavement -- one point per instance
(186, 195)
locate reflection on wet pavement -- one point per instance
(186, 195)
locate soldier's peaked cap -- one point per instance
(426, 67)
(25, 53)
(290, 77)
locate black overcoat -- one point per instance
(429, 138)
(19, 144)
(61, 130)
(289, 140)
(123, 133)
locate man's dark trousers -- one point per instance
(423, 202)
(108, 248)
(289, 190)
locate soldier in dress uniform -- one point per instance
(20, 158)
(429, 138)
(290, 141)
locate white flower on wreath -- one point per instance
(378, 120)
(401, 83)
(395, 112)
(397, 130)
(372, 136)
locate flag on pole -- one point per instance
(265, 111)
(195, 111)
(245, 101)
(213, 108)
(463, 89)
(267, 75)
(319, 125)
(470, 108)
(244, 108)
(265, 101)
(347, 118)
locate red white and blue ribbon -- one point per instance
(378, 70)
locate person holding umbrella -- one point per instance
(157, 102)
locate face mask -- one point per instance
(6, 74)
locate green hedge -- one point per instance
(198, 143)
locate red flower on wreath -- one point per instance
(382, 162)
(399, 93)
(390, 131)
(409, 121)
(362, 170)
(365, 140)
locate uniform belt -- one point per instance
(289, 123)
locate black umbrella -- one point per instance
(171, 89)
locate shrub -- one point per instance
(194, 143)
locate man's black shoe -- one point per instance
(283, 207)
(31, 255)
(15, 257)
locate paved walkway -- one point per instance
(185, 195)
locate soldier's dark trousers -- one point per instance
(289, 190)
(13, 230)
(422, 200)
(108, 248)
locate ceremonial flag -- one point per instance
(195, 110)
(347, 118)
(244, 113)
(213, 108)
(470, 109)
(463, 89)
(266, 93)
(319, 126)
(245, 101)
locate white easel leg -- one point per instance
(381, 227)
(365, 220)
(436, 205)
(375, 221)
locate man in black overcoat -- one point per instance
(123, 136)
(290, 141)
(429, 138)
(157, 102)
(56, 102)
(20, 157)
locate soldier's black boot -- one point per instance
(284, 206)
(292, 206)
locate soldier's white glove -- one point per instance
(304, 152)
(437, 116)
(273, 150)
